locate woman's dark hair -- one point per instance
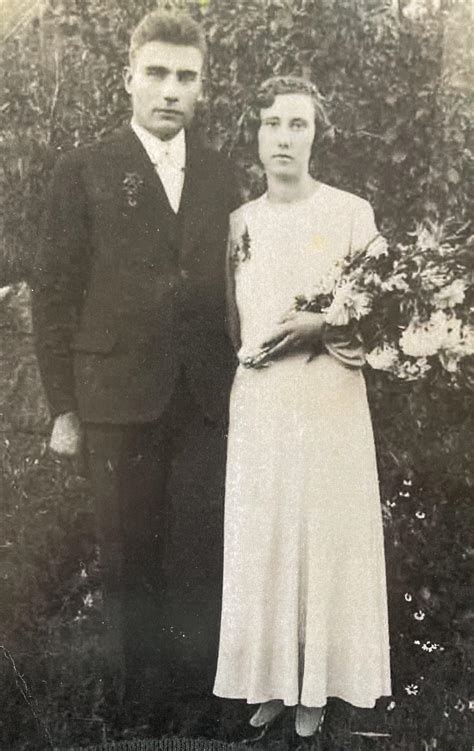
(173, 28)
(278, 85)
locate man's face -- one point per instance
(286, 135)
(164, 82)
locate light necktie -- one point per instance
(172, 177)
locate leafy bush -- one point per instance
(396, 79)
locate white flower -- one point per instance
(372, 279)
(391, 706)
(397, 281)
(428, 646)
(451, 295)
(88, 600)
(450, 361)
(412, 689)
(410, 371)
(427, 338)
(471, 705)
(432, 277)
(347, 304)
(361, 305)
(408, 597)
(426, 240)
(383, 358)
(420, 340)
(337, 314)
(377, 247)
(419, 615)
(460, 705)
(420, 515)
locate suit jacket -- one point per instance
(125, 293)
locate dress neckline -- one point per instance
(288, 205)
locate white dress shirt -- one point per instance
(168, 158)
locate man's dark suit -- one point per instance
(129, 308)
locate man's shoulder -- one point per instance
(96, 151)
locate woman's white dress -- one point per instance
(304, 614)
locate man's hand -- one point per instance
(66, 437)
(296, 330)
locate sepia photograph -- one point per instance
(236, 375)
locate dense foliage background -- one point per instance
(397, 79)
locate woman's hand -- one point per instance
(296, 330)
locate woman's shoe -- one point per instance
(308, 720)
(266, 713)
(263, 721)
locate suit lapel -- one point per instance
(155, 202)
(156, 209)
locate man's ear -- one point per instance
(127, 74)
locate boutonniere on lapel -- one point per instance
(132, 184)
(240, 251)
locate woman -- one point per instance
(304, 614)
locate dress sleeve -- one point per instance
(345, 342)
(364, 228)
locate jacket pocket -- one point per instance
(100, 342)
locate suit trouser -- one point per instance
(158, 522)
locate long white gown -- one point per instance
(304, 614)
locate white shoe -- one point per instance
(266, 713)
(308, 720)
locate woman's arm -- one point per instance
(344, 342)
(232, 316)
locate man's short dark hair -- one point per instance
(173, 28)
(277, 85)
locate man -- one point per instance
(128, 310)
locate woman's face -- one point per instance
(286, 135)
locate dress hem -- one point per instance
(359, 704)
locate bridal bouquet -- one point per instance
(413, 303)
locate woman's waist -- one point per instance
(303, 361)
